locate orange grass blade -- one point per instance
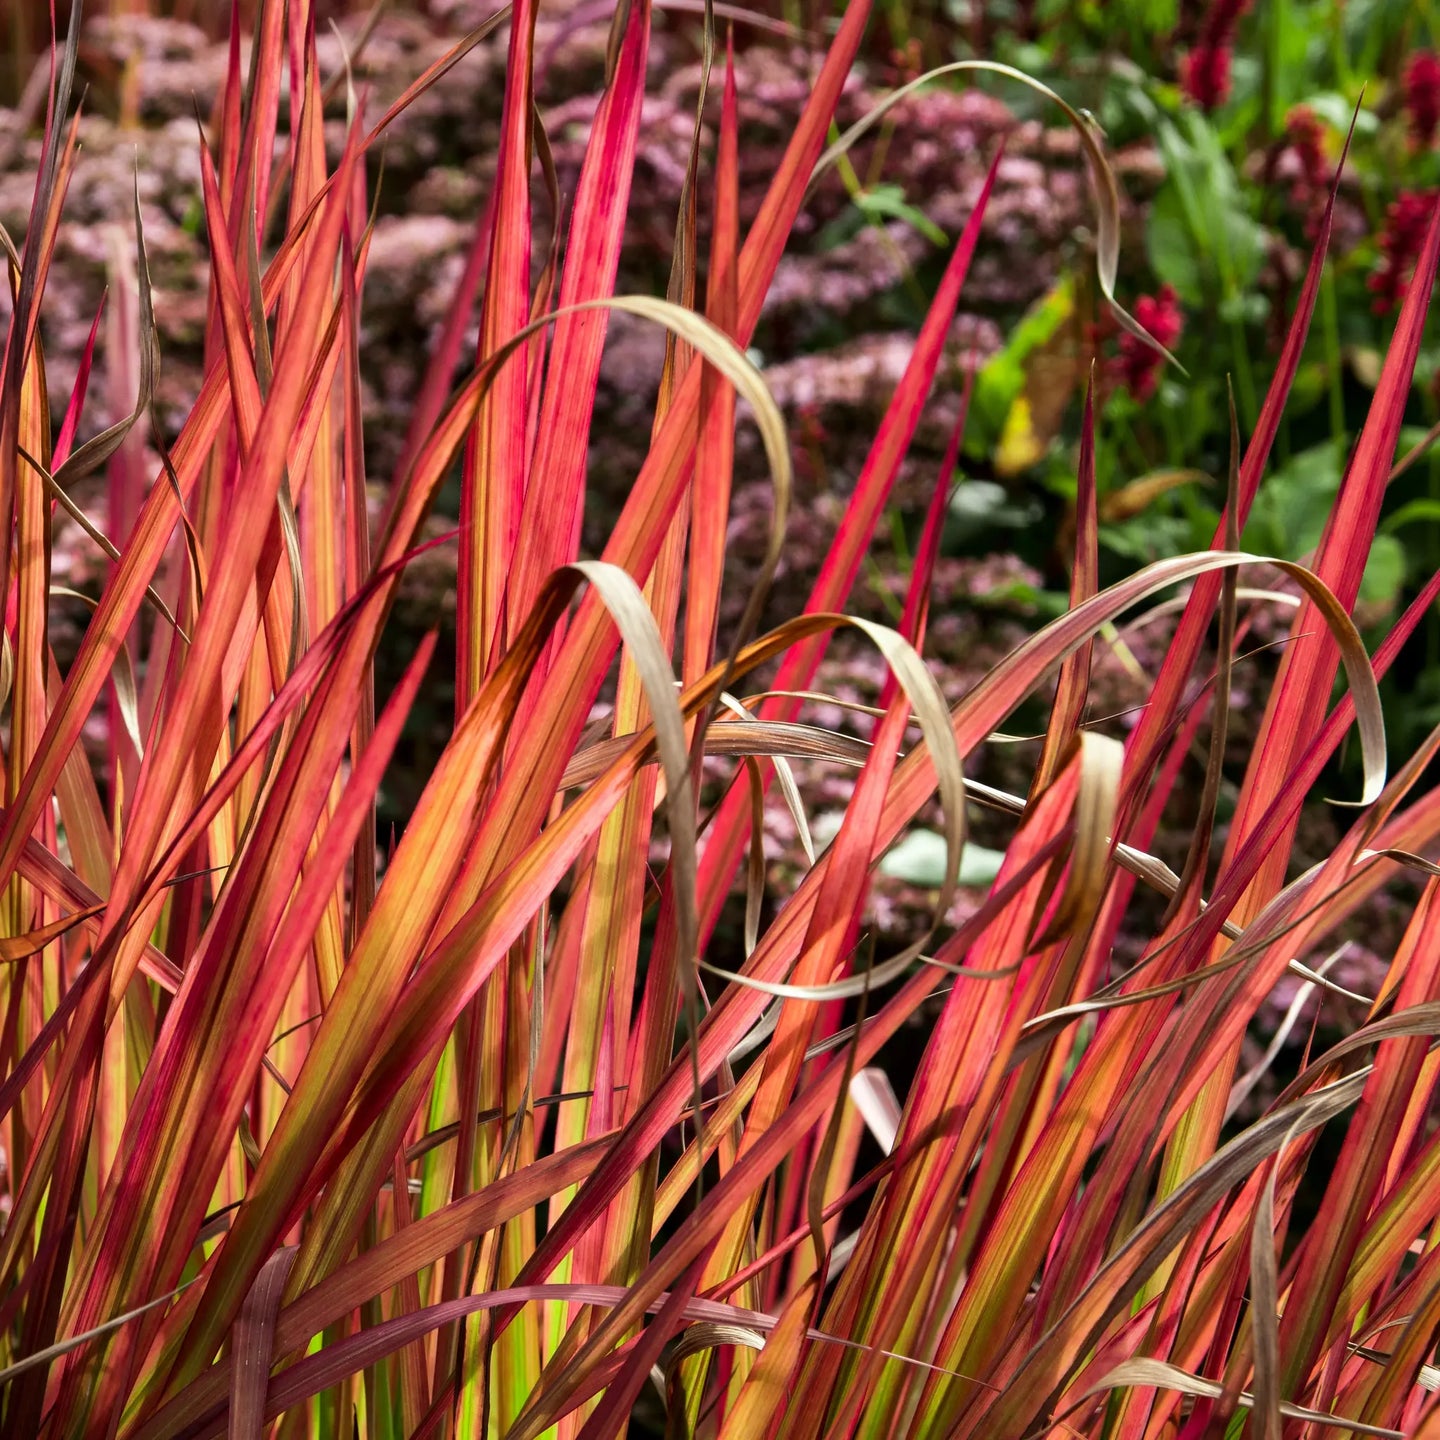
(842, 561)
(640, 530)
(1306, 675)
(1074, 683)
(715, 457)
(369, 1274)
(1184, 648)
(550, 512)
(497, 459)
(246, 1015)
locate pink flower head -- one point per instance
(1422, 97)
(1137, 367)
(1406, 221)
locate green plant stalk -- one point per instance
(1245, 391)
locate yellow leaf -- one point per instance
(1019, 447)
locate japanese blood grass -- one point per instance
(465, 1146)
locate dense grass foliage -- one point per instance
(485, 1128)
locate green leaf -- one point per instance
(1415, 512)
(1002, 377)
(980, 505)
(1384, 571)
(1200, 236)
(1289, 512)
(1335, 110)
(919, 859)
(1171, 249)
(888, 201)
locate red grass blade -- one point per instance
(251, 1348)
(842, 562)
(715, 456)
(497, 458)
(551, 508)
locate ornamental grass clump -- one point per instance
(491, 1127)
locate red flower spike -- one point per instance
(1205, 71)
(1138, 365)
(1205, 75)
(1400, 241)
(1422, 97)
(1304, 164)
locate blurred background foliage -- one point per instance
(1246, 110)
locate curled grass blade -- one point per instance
(1105, 186)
